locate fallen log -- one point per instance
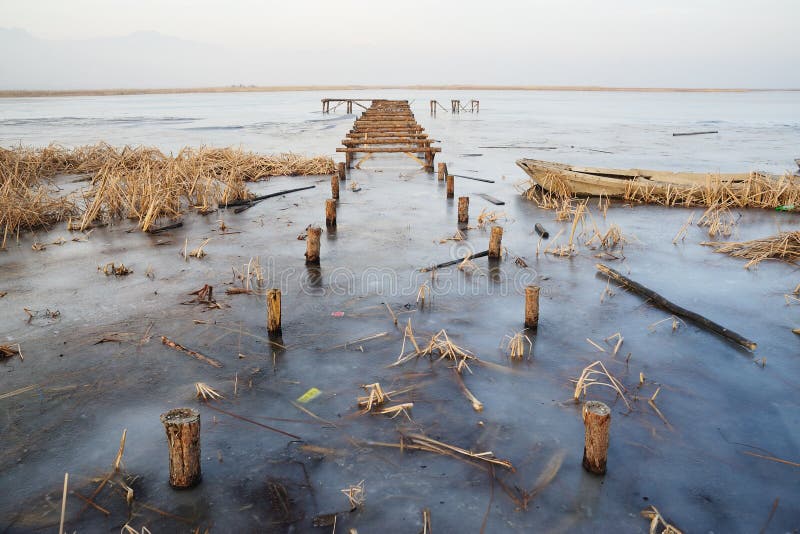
(454, 262)
(662, 302)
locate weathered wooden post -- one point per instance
(496, 242)
(597, 420)
(183, 437)
(312, 245)
(340, 170)
(463, 210)
(330, 213)
(442, 171)
(274, 311)
(451, 186)
(335, 187)
(429, 155)
(532, 306)
(348, 159)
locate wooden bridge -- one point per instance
(388, 126)
(326, 103)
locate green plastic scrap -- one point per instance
(788, 207)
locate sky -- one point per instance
(57, 44)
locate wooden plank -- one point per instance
(389, 149)
(389, 141)
(493, 200)
(474, 178)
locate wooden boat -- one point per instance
(560, 178)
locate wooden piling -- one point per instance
(597, 420)
(183, 437)
(340, 170)
(312, 245)
(463, 210)
(274, 311)
(335, 187)
(330, 213)
(496, 242)
(451, 186)
(442, 171)
(532, 306)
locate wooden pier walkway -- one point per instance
(388, 126)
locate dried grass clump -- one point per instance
(206, 392)
(611, 239)
(7, 351)
(375, 396)
(579, 216)
(719, 220)
(356, 495)
(489, 217)
(784, 246)
(28, 201)
(112, 269)
(139, 183)
(596, 374)
(515, 347)
(757, 191)
(657, 522)
(440, 345)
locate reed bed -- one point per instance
(756, 191)
(785, 247)
(139, 183)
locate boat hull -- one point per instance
(562, 179)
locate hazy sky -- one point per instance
(673, 43)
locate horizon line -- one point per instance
(31, 93)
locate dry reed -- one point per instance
(658, 522)
(7, 351)
(785, 247)
(486, 218)
(422, 442)
(206, 392)
(375, 396)
(355, 494)
(596, 374)
(756, 191)
(515, 347)
(719, 220)
(139, 183)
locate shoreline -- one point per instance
(35, 93)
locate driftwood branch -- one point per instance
(250, 201)
(454, 262)
(177, 346)
(661, 302)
